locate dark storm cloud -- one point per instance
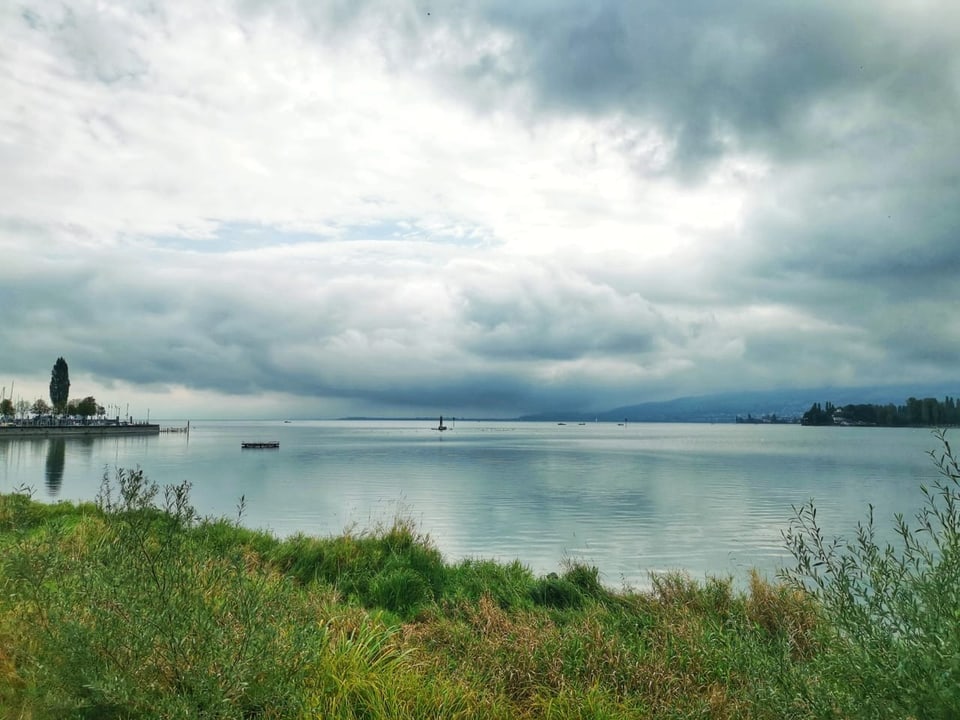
(243, 324)
(552, 313)
(717, 77)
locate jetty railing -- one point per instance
(175, 429)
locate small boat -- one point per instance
(268, 445)
(441, 427)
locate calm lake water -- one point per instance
(710, 499)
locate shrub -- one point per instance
(893, 608)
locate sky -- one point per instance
(320, 208)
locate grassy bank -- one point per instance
(132, 607)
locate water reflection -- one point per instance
(56, 460)
(66, 467)
(705, 498)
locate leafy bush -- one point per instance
(894, 609)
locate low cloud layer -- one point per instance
(320, 208)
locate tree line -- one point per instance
(917, 412)
(59, 399)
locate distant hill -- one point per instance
(725, 407)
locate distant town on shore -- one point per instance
(873, 405)
(63, 415)
(926, 412)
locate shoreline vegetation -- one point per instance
(132, 606)
(927, 412)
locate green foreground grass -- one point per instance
(133, 607)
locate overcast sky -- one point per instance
(308, 208)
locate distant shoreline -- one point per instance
(13, 432)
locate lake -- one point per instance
(633, 499)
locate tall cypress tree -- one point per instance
(60, 385)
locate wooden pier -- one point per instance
(14, 432)
(185, 429)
